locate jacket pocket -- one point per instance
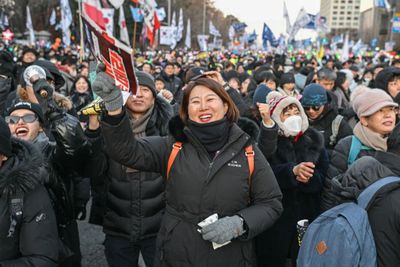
(165, 236)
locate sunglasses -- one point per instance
(28, 118)
(316, 108)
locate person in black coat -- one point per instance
(299, 164)
(172, 82)
(135, 199)
(28, 227)
(322, 114)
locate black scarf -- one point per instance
(213, 136)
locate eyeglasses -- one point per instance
(316, 108)
(28, 118)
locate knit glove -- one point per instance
(104, 86)
(223, 230)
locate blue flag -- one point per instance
(382, 3)
(268, 35)
(252, 37)
(137, 14)
(239, 26)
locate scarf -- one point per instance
(370, 138)
(213, 136)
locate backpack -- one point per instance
(335, 129)
(249, 152)
(355, 148)
(342, 236)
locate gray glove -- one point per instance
(223, 230)
(104, 86)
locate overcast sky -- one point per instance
(256, 12)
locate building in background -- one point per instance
(342, 16)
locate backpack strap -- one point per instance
(335, 129)
(355, 148)
(368, 193)
(16, 206)
(249, 152)
(176, 147)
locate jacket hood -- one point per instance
(360, 175)
(383, 77)
(162, 113)
(176, 127)
(23, 171)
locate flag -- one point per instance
(286, 16)
(383, 4)
(92, 9)
(137, 14)
(66, 20)
(252, 37)
(231, 33)
(321, 24)
(161, 14)
(268, 35)
(321, 53)
(202, 40)
(213, 31)
(116, 3)
(188, 40)
(123, 31)
(179, 33)
(108, 17)
(167, 35)
(301, 20)
(150, 18)
(345, 50)
(53, 17)
(174, 30)
(136, 1)
(239, 26)
(29, 26)
(311, 25)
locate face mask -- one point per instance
(293, 125)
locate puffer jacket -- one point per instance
(199, 187)
(173, 84)
(134, 199)
(35, 240)
(384, 209)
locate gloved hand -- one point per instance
(223, 230)
(104, 86)
(80, 213)
(43, 92)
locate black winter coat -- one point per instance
(198, 188)
(300, 201)
(35, 240)
(324, 125)
(135, 199)
(174, 85)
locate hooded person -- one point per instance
(134, 202)
(28, 228)
(377, 113)
(299, 164)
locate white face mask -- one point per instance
(293, 125)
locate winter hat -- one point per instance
(52, 72)
(278, 102)
(369, 101)
(314, 95)
(147, 80)
(287, 78)
(5, 139)
(193, 72)
(260, 94)
(35, 108)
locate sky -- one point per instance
(255, 12)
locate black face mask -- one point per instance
(213, 136)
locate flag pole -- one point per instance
(134, 33)
(82, 51)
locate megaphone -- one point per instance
(96, 107)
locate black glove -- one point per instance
(44, 93)
(80, 213)
(104, 86)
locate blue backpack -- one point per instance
(342, 235)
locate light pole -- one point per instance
(169, 12)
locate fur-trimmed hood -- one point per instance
(61, 100)
(23, 171)
(176, 127)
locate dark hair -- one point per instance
(265, 76)
(340, 79)
(232, 114)
(77, 79)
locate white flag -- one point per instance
(213, 30)
(231, 33)
(345, 50)
(188, 40)
(53, 17)
(286, 16)
(123, 30)
(66, 20)
(108, 16)
(29, 26)
(302, 19)
(167, 35)
(116, 3)
(180, 26)
(174, 31)
(202, 40)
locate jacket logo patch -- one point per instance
(321, 247)
(40, 217)
(234, 164)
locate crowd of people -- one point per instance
(212, 163)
